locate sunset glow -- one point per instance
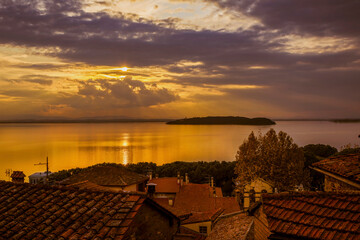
(167, 59)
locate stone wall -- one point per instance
(332, 184)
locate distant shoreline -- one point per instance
(222, 120)
(156, 120)
(88, 121)
(355, 120)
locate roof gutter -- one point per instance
(342, 179)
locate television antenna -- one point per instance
(8, 173)
(47, 168)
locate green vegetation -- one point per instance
(314, 153)
(222, 121)
(349, 149)
(198, 172)
(272, 157)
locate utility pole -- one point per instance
(47, 168)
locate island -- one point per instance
(222, 121)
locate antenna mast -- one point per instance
(47, 168)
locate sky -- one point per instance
(179, 58)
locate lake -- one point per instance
(73, 145)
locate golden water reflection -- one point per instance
(81, 145)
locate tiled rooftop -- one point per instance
(91, 186)
(43, 212)
(203, 216)
(314, 215)
(107, 175)
(347, 166)
(166, 185)
(197, 198)
(232, 227)
(18, 174)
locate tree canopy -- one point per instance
(272, 157)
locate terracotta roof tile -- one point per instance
(203, 216)
(166, 185)
(49, 212)
(197, 198)
(318, 216)
(231, 227)
(18, 174)
(347, 166)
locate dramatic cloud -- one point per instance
(298, 58)
(101, 93)
(321, 17)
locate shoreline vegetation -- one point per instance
(222, 121)
(223, 171)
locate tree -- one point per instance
(349, 149)
(314, 153)
(272, 157)
(320, 150)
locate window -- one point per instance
(202, 229)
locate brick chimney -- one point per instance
(186, 178)
(150, 175)
(212, 182)
(18, 177)
(181, 180)
(151, 189)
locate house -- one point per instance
(36, 211)
(115, 176)
(18, 177)
(238, 226)
(309, 215)
(201, 222)
(165, 187)
(252, 191)
(341, 172)
(39, 177)
(197, 205)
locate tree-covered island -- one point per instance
(222, 121)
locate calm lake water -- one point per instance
(81, 145)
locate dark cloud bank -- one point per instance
(325, 83)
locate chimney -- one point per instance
(18, 177)
(156, 175)
(181, 180)
(212, 182)
(239, 198)
(150, 175)
(252, 195)
(151, 189)
(178, 178)
(186, 178)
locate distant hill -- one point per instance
(222, 121)
(345, 120)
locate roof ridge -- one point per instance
(72, 188)
(288, 195)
